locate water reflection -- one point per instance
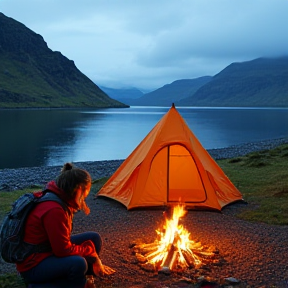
(114, 137)
(28, 135)
(52, 137)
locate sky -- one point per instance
(150, 43)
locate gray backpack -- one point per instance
(12, 246)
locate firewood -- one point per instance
(204, 254)
(140, 258)
(149, 267)
(169, 255)
(146, 248)
(188, 257)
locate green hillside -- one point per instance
(261, 82)
(32, 75)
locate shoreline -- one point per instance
(27, 177)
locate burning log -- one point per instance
(190, 259)
(141, 258)
(149, 267)
(170, 258)
(204, 254)
(146, 248)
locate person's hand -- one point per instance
(101, 270)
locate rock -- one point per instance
(4, 187)
(232, 280)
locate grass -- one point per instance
(11, 280)
(261, 177)
(7, 198)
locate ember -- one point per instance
(173, 249)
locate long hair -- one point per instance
(71, 177)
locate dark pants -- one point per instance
(58, 272)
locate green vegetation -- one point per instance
(7, 198)
(25, 84)
(11, 280)
(262, 178)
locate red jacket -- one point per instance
(49, 222)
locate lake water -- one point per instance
(51, 137)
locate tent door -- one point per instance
(184, 182)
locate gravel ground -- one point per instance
(253, 253)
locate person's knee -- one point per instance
(97, 240)
(78, 266)
(82, 265)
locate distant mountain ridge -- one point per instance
(170, 93)
(123, 95)
(261, 82)
(32, 75)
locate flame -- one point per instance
(173, 245)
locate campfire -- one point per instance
(173, 250)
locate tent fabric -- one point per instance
(170, 166)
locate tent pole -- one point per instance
(168, 164)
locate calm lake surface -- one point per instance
(51, 137)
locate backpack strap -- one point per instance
(51, 196)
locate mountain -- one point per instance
(123, 95)
(262, 82)
(170, 93)
(32, 75)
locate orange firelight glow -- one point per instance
(173, 248)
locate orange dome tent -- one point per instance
(170, 166)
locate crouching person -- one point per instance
(68, 258)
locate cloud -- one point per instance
(149, 43)
(219, 34)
